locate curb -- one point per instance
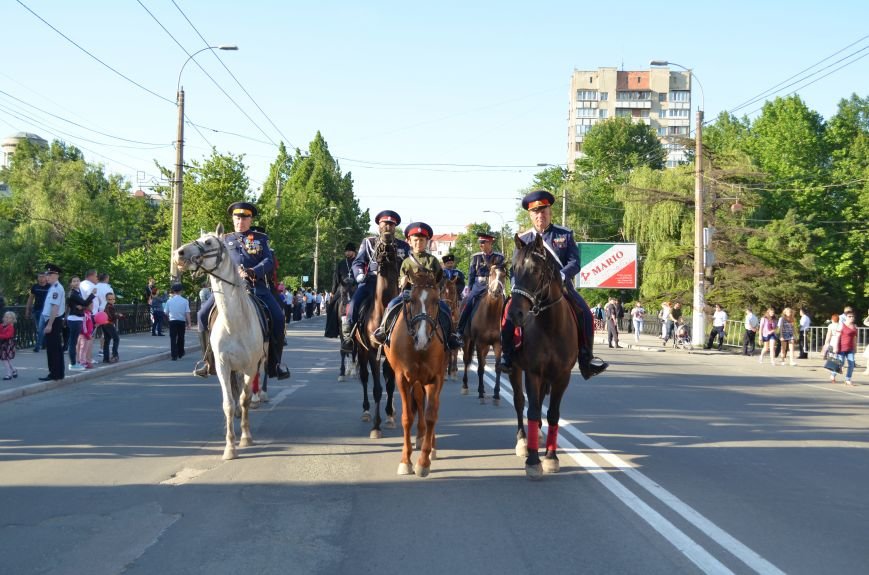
(39, 387)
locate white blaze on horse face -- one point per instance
(421, 337)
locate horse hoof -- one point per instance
(482, 401)
(464, 391)
(551, 466)
(229, 454)
(496, 401)
(263, 397)
(375, 434)
(534, 472)
(421, 471)
(390, 422)
(366, 416)
(405, 469)
(521, 449)
(340, 378)
(245, 442)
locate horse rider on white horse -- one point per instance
(252, 256)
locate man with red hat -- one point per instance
(450, 272)
(365, 269)
(478, 276)
(560, 243)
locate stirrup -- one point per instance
(201, 369)
(506, 363)
(592, 367)
(379, 335)
(282, 371)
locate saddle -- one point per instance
(265, 320)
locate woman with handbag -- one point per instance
(831, 347)
(848, 345)
(768, 335)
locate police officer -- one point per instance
(250, 251)
(451, 272)
(478, 276)
(52, 318)
(365, 268)
(559, 241)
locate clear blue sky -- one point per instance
(395, 83)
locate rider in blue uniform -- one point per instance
(478, 276)
(365, 269)
(255, 262)
(451, 272)
(560, 243)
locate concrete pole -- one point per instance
(174, 273)
(316, 252)
(699, 312)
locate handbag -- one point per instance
(833, 364)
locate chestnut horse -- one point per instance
(483, 332)
(450, 294)
(367, 355)
(417, 352)
(548, 351)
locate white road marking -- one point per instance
(692, 550)
(282, 395)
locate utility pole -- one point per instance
(174, 272)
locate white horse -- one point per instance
(237, 338)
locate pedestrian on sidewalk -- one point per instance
(612, 327)
(749, 338)
(110, 330)
(848, 345)
(74, 320)
(638, 315)
(157, 313)
(7, 344)
(767, 334)
(33, 308)
(787, 332)
(805, 326)
(719, 323)
(178, 309)
(55, 307)
(86, 338)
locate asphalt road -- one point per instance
(670, 463)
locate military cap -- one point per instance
(485, 237)
(389, 216)
(418, 229)
(448, 258)
(52, 269)
(350, 247)
(538, 199)
(242, 209)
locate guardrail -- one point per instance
(136, 319)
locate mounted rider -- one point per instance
(419, 234)
(365, 268)
(343, 284)
(255, 262)
(560, 243)
(478, 276)
(450, 272)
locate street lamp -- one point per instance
(174, 272)
(503, 225)
(563, 191)
(698, 325)
(317, 243)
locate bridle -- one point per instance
(500, 289)
(412, 320)
(205, 253)
(537, 297)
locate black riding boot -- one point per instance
(275, 367)
(453, 339)
(205, 367)
(507, 346)
(589, 365)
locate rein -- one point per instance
(538, 296)
(217, 253)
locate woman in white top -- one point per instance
(637, 316)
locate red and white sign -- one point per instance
(606, 265)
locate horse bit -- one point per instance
(216, 253)
(537, 306)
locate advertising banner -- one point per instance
(607, 265)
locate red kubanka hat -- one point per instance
(418, 229)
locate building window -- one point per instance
(680, 96)
(604, 96)
(582, 130)
(662, 97)
(586, 112)
(586, 95)
(578, 146)
(683, 113)
(662, 131)
(602, 113)
(677, 131)
(634, 95)
(623, 113)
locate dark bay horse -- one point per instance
(484, 332)
(450, 294)
(417, 352)
(548, 351)
(368, 356)
(341, 298)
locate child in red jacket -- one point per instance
(7, 344)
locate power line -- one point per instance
(215, 82)
(219, 59)
(71, 41)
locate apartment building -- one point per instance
(658, 97)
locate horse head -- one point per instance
(421, 311)
(497, 281)
(205, 254)
(536, 280)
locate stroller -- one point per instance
(682, 337)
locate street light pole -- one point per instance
(698, 325)
(317, 243)
(174, 273)
(503, 225)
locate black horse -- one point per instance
(547, 353)
(335, 312)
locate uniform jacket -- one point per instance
(479, 268)
(344, 276)
(460, 283)
(416, 262)
(251, 250)
(365, 262)
(560, 243)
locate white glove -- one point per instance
(360, 278)
(466, 291)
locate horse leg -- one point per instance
(404, 467)
(533, 468)
(432, 405)
(550, 459)
(246, 438)
(389, 376)
(343, 371)
(482, 352)
(228, 409)
(467, 357)
(363, 377)
(496, 395)
(377, 390)
(519, 404)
